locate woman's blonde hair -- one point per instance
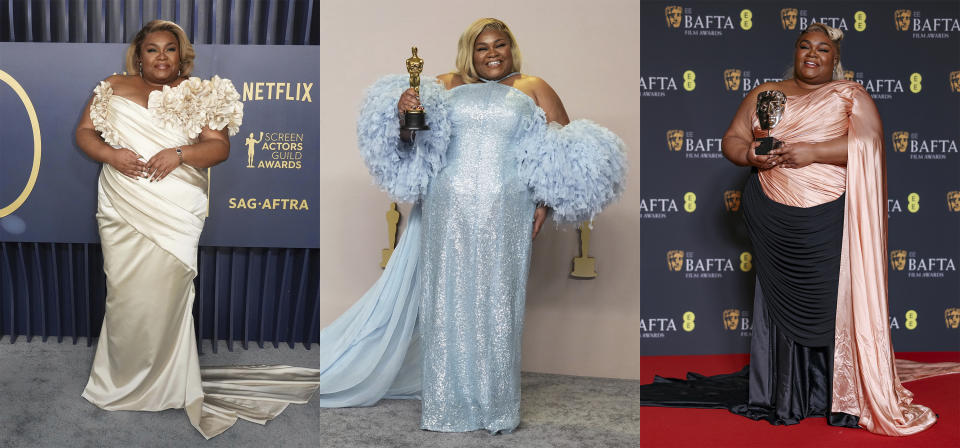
(835, 35)
(465, 65)
(186, 49)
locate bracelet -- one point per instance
(180, 154)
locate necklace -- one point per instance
(501, 79)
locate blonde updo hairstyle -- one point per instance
(186, 49)
(835, 35)
(465, 65)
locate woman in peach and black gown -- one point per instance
(816, 213)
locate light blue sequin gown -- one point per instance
(477, 222)
(443, 323)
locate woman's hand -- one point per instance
(127, 163)
(763, 162)
(794, 155)
(539, 215)
(162, 163)
(410, 100)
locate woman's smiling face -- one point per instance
(814, 58)
(492, 55)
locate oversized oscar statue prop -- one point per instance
(393, 217)
(770, 106)
(415, 119)
(584, 266)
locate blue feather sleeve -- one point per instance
(577, 169)
(401, 169)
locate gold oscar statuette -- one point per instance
(584, 266)
(393, 217)
(415, 119)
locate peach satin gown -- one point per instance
(865, 379)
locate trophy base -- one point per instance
(767, 144)
(415, 120)
(584, 267)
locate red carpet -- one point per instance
(673, 427)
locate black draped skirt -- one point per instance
(790, 376)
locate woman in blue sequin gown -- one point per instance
(459, 273)
(478, 218)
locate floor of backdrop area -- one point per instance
(556, 411)
(41, 384)
(673, 427)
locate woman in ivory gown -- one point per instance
(816, 213)
(459, 272)
(156, 131)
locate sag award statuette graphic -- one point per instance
(415, 119)
(770, 106)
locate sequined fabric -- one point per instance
(477, 221)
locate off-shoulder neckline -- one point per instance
(485, 84)
(827, 86)
(130, 100)
(149, 95)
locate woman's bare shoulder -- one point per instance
(536, 87)
(124, 85)
(122, 80)
(450, 80)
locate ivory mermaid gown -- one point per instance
(146, 358)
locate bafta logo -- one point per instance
(848, 75)
(674, 16)
(788, 18)
(898, 259)
(955, 81)
(731, 318)
(675, 260)
(731, 199)
(901, 19)
(675, 139)
(901, 139)
(952, 316)
(731, 79)
(953, 201)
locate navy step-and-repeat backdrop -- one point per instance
(699, 60)
(264, 195)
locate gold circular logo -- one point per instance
(860, 21)
(690, 202)
(911, 323)
(35, 169)
(746, 19)
(689, 321)
(913, 202)
(689, 80)
(916, 83)
(746, 261)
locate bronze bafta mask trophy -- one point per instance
(415, 119)
(770, 106)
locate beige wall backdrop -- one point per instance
(590, 53)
